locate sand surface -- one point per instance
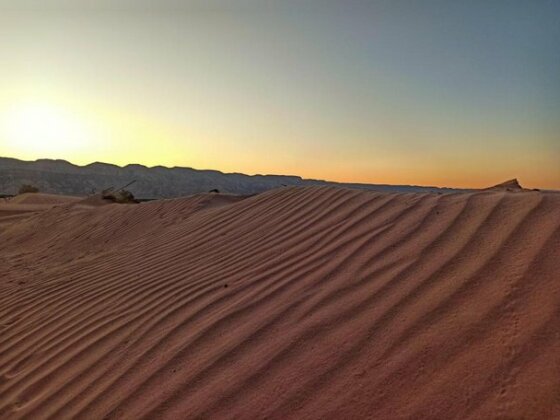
(20, 207)
(295, 303)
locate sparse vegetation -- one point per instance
(120, 196)
(26, 188)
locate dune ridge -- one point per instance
(300, 302)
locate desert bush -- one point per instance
(121, 196)
(26, 188)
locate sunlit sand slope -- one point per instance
(24, 205)
(295, 303)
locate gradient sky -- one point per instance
(448, 93)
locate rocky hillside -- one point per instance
(61, 177)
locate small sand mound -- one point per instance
(511, 185)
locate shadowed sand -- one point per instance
(313, 302)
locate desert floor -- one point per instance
(312, 302)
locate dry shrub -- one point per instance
(26, 188)
(121, 196)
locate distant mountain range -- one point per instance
(62, 177)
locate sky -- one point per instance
(432, 92)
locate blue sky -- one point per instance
(461, 93)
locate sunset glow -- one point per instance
(43, 128)
(374, 93)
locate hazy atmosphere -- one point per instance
(446, 93)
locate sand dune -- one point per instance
(313, 302)
(43, 199)
(25, 205)
(511, 185)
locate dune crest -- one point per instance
(511, 185)
(313, 302)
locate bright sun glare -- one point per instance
(43, 129)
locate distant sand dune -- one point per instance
(313, 302)
(24, 205)
(44, 199)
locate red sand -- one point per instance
(42, 199)
(295, 303)
(23, 205)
